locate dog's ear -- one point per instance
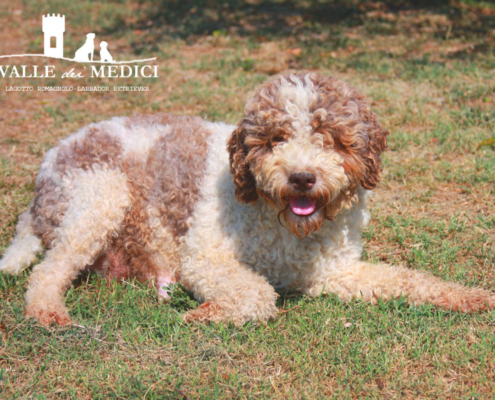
(377, 143)
(245, 184)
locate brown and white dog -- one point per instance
(232, 212)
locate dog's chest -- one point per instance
(222, 227)
(260, 242)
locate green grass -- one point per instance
(426, 68)
(125, 345)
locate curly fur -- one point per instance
(161, 198)
(297, 119)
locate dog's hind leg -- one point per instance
(23, 250)
(98, 202)
(164, 255)
(372, 281)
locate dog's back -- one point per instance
(162, 157)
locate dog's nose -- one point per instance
(302, 181)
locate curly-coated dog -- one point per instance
(233, 212)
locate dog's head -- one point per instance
(90, 35)
(305, 145)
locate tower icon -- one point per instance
(53, 29)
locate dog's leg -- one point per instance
(24, 248)
(372, 281)
(99, 200)
(163, 250)
(229, 291)
(165, 266)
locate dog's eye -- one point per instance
(327, 144)
(277, 140)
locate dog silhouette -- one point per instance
(83, 53)
(104, 53)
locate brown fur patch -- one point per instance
(466, 300)
(49, 207)
(96, 147)
(113, 265)
(127, 256)
(50, 203)
(357, 137)
(209, 311)
(48, 317)
(177, 165)
(262, 128)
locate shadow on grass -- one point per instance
(187, 19)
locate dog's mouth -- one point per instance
(302, 206)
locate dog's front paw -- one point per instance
(466, 300)
(231, 311)
(46, 315)
(206, 312)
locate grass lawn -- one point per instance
(427, 67)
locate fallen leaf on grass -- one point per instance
(487, 142)
(296, 52)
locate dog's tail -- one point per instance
(23, 250)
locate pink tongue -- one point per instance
(302, 205)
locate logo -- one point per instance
(53, 26)
(53, 31)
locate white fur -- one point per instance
(255, 236)
(23, 250)
(297, 97)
